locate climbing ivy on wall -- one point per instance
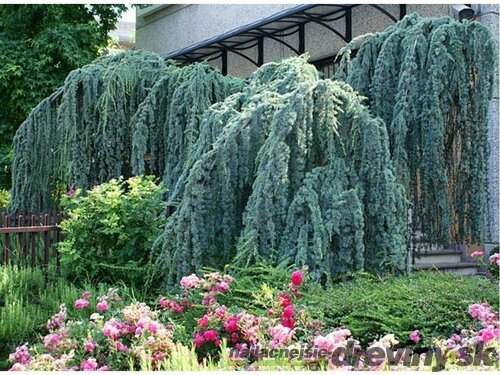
(430, 80)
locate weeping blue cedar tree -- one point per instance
(300, 173)
(99, 126)
(430, 80)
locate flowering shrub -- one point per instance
(118, 337)
(481, 340)
(493, 263)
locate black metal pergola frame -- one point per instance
(276, 27)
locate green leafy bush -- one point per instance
(4, 199)
(28, 300)
(108, 232)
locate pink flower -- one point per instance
(121, 347)
(231, 325)
(489, 333)
(414, 336)
(163, 302)
(153, 327)
(158, 358)
(89, 346)
(110, 330)
(297, 278)
(332, 340)
(21, 355)
(281, 336)
(199, 340)
(203, 321)
(70, 192)
(102, 305)
(210, 335)
(81, 304)
(495, 259)
(190, 281)
(86, 295)
(288, 311)
(89, 364)
(221, 313)
(171, 306)
(288, 322)
(51, 341)
(456, 338)
(477, 254)
(222, 287)
(483, 313)
(17, 367)
(104, 368)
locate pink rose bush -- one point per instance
(115, 336)
(495, 259)
(491, 266)
(482, 339)
(477, 254)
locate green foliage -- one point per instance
(301, 173)
(430, 80)
(4, 199)
(285, 167)
(371, 306)
(108, 232)
(28, 300)
(39, 46)
(434, 303)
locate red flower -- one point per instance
(288, 311)
(288, 322)
(284, 299)
(203, 321)
(297, 278)
(210, 335)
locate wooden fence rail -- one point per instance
(22, 236)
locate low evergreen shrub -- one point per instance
(432, 302)
(370, 306)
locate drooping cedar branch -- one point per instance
(106, 120)
(300, 173)
(430, 80)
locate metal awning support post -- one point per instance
(302, 39)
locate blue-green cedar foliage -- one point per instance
(300, 173)
(430, 80)
(108, 118)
